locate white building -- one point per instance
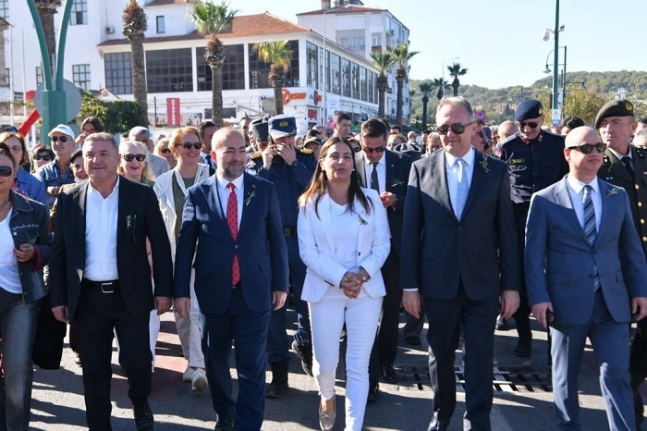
(97, 56)
(362, 29)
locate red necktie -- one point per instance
(232, 222)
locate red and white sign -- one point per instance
(173, 111)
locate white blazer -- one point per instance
(316, 247)
(164, 190)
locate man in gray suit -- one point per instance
(459, 250)
(585, 273)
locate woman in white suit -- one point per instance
(343, 240)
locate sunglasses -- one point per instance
(63, 139)
(588, 148)
(189, 145)
(165, 150)
(457, 128)
(6, 171)
(374, 150)
(45, 157)
(131, 157)
(523, 124)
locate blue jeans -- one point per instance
(18, 322)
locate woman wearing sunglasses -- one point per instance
(162, 149)
(133, 164)
(23, 181)
(171, 188)
(40, 157)
(24, 249)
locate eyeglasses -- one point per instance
(523, 124)
(458, 128)
(131, 157)
(63, 139)
(165, 150)
(374, 150)
(45, 157)
(189, 145)
(357, 149)
(6, 171)
(588, 148)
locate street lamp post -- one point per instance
(555, 106)
(563, 71)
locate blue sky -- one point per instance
(500, 41)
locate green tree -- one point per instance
(211, 19)
(116, 116)
(46, 11)
(279, 56)
(455, 70)
(425, 88)
(382, 62)
(582, 103)
(402, 55)
(440, 85)
(135, 24)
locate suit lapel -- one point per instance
(123, 210)
(324, 214)
(362, 216)
(604, 194)
(213, 202)
(79, 199)
(440, 189)
(360, 166)
(248, 202)
(563, 198)
(393, 173)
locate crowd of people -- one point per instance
(468, 225)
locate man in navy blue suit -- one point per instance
(585, 272)
(241, 274)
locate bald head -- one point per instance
(223, 135)
(229, 152)
(507, 129)
(582, 135)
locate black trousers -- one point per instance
(98, 316)
(385, 347)
(478, 319)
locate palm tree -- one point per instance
(425, 88)
(455, 71)
(46, 10)
(382, 62)
(441, 86)
(210, 19)
(279, 55)
(402, 56)
(135, 24)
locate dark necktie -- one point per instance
(375, 183)
(627, 162)
(590, 229)
(208, 159)
(232, 222)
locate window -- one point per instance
(79, 13)
(258, 69)
(355, 80)
(233, 69)
(362, 84)
(39, 75)
(7, 77)
(345, 78)
(336, 75)
(4, 9)
(312, 64)
(119, 72)
(159, 22)
(81, 75)
(169, 70)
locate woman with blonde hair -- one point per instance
(343, 240)
(133, 163)
(162, 149)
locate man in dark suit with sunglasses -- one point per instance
(386, 172)
(535, 161)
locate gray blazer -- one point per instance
(560, 263)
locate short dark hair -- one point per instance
(572, 122)
(373, 128)
(96, 123)
(396, 127)
(206, 125)
(77, 153)
(341, 115)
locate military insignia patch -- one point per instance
(515, 161)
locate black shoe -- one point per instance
(224, 424)
(503, 325)
(439, 425)
(143, 418)
(373, 391)
(304, 353)
(279, 380)
(412, 340)
(388, 374)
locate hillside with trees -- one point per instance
(585, 93)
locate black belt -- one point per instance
(289, 231)
(104, 286)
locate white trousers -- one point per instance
(188, 330)
(327, 319)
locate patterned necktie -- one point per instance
(375, 184)
(463, 188)
(590, 229)
(232, 222)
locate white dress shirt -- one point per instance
(101, 220)
(576, 192)
(223, 194)
(453, 172)
(209, 162)
(381, 172)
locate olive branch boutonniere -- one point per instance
(362, 222)
(250, 196)
(396, 182)
(613, 191)
(483, 163)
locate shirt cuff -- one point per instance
(413, 289)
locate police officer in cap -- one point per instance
(535, 160)
(290, 169)
(626, 166)
(258, 136)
